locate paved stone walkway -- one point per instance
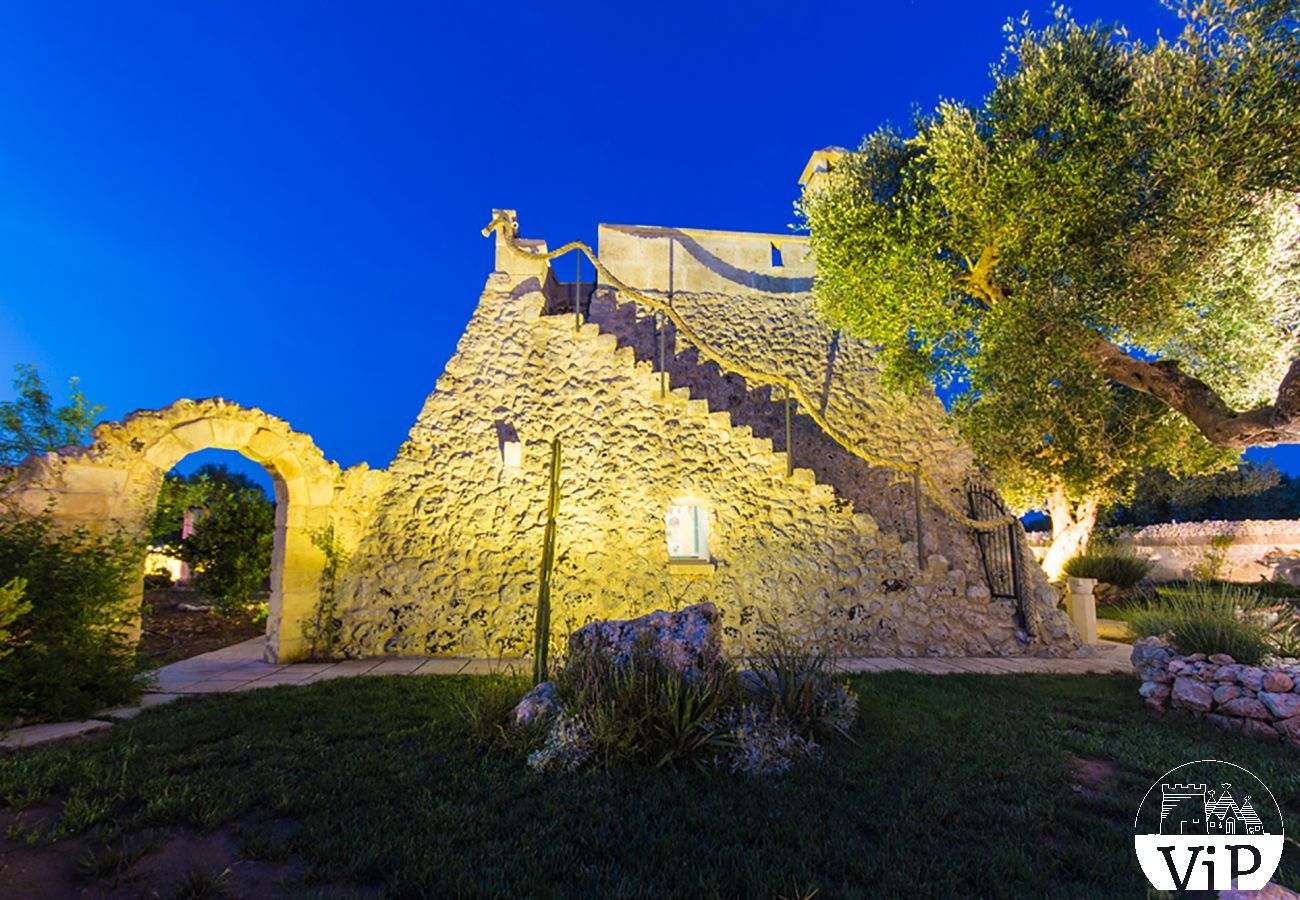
(240, 667)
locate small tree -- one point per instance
(230, 549)
(33, 423)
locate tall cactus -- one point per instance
(542, 626)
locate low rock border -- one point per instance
(1257, 701)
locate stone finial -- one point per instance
(819, 164)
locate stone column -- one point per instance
(1082, 606)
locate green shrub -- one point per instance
(12, 606)
(1286, 632)
(1207, 619)
(1111, 565)
(794, 685)
(229, 551)
(640, 709)
(72, 656)
(1273, 590)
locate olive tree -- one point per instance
(1111, 233)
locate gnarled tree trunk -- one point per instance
(1072, 524)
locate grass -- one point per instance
(952, 786)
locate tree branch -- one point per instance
(1200, 403)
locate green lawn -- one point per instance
(958, 786)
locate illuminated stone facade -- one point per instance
(440, 553)
(450, 562)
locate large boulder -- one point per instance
(1151, 658)
(689, 639)
(1188, 693)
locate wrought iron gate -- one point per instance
(1000, 548)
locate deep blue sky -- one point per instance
(280, 203)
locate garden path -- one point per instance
(240, 667)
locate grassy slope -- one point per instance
(960, 785)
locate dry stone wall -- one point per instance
(450, 562)
(1258, 701)
(1246, 550)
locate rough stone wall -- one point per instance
(450, 562)
(767, 315)
(1258, 701)
(1248, 550)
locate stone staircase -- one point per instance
(622, 329)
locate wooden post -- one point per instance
(542, 626)
(789, 448)
(577, 289)
(920, 533)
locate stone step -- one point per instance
(626, 356)
(822, 492)
(760, 448)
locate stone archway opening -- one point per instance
(114, 483)
(304, 483)
(209, 548)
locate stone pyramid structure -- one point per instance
(678, 483)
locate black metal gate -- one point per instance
(1000, 548)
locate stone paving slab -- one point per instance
(130, 712)
(31, 735)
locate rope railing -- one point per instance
(508, 229)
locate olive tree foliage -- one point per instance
(1100, 259)
(1077, 447)
(33, 423)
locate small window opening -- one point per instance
(687, 531)
(512, 449)
(776, 256)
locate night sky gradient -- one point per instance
(280, 203)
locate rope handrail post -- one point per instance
(789, 447)
(662, 326)
(920, 533)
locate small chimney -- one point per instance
(819, 164)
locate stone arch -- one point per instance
(115, 482)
